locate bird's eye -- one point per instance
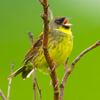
(57, 22)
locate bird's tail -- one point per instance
(16, 72)
(27, 73)
(25, 70)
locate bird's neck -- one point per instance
(65, 30)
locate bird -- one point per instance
(60, 45)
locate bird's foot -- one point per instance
(53, 67)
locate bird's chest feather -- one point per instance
(60, 51)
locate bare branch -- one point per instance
(31, 38)
(67, 73)
(50, 62)
(50, 13)
(38, 88)
(34, 84)
(34, 75)
(41, 2)
(65, 64)
(9, 85)
(2, 95)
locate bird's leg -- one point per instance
(52, 68)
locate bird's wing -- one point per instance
(32, 52)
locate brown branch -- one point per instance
(37, 87)
(34, 75)
(65, 64)
(34, 84)
(2, 95)
(34, 88)
(67, 73)
(9, 85)
(46, 53)
(50, 13)
(41, 2)
(31, 38)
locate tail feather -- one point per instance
(16, 72)
(30, 73)
(26, 69)
(27, 73)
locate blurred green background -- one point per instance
(19, 16)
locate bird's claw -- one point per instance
(52, 68)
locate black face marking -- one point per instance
(67, 27)
(59, 21)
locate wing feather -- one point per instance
(32, 52)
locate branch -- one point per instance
(9, 85)
(45, 49)
(65, 64)
(67, 73)
(2, 95)
(34, 84)
(34, 75)
(50, 13)
(31, 38)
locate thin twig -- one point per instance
(50, 62)
(9, 85)
(34, 84)
(41, 2)
(31, 38)
(65, 64)
(38, 88)
(2, 95)
(67, 73)
(50, 13)
(34, 75)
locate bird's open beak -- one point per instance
(65, 22)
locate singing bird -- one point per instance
(60, 44)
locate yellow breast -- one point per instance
(59, 51)
(63, 49)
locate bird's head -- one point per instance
(60, 21)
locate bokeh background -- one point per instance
(19, 16)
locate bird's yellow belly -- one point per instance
(58, 53)
(62, 52)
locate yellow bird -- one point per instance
(60, 44)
